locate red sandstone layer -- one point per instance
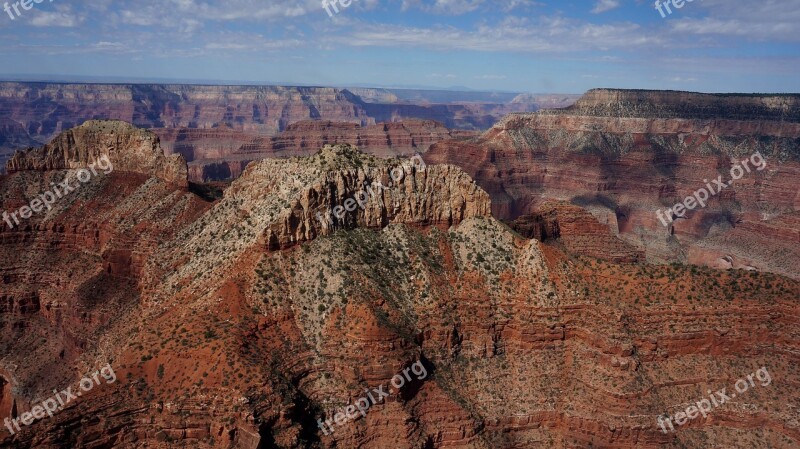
(211, 161)
(240, 323)
(625, 168)
(578, 230)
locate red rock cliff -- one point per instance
(626, 154)
(222, 340)
(128, 148)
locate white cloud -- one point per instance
(250, 43)
(227, 46)
(516, 34)
(768, 20)
(113, 46)
(605, 5)
(195, 13)
(510, 5)
(63, 16)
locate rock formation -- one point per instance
(242, 323)
(34, 113)
(623, 155)
(383, 194)
(578, 230)
(618, 103)
(305, 138)
(128, 148)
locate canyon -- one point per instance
(223, 154)
(209, 118)
(239, 320)
(623, 155)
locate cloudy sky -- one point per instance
(512, 45)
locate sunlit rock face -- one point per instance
(624, 155)
(241, 320)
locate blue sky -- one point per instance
(512, 45)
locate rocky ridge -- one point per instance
(225, 337)
(623, 155)
(34, 113)
(626, 103)
(209, 162)
(278, 203)
(578, 230)
(129, 148)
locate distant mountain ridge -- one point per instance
(677, 104)
(624, 154)
(35, 112)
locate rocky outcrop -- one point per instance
(384, 139)
(623, 155)
(374, 195)
(305, 138)
(239, 323)
(290, 201)
(70, 273)
(578, 230)
(212, 122)
(626, 103)
(128, 148)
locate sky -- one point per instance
(535, 46)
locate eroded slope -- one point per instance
(245, 321)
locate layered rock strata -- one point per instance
(212, 122)
(306, 137)
(128, 148)
(34, 113)
(578, 230)
(221, 339)
(624, 155)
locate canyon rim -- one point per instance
(400, 225)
